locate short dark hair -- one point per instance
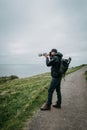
(54, 50)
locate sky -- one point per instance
(30, 27)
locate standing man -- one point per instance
(54, 60)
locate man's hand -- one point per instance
(45, 54)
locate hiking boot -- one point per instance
(57, 106)
(46, 107)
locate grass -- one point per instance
(73, 69)
(21, 98)
(6, 78)
(18, 98)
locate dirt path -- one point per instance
(73, 114)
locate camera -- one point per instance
(43, 54)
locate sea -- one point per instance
(23, 70)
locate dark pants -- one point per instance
(55, 84)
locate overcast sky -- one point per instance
(29, 27)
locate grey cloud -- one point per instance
(29, 27)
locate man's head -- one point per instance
(53, 52)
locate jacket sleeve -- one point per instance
(50, 62)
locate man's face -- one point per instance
(53, 53)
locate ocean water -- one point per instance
(23, 70)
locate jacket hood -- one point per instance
(59, 54)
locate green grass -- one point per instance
(21, 98)
(73, 69)
(18, 98)
(6, 78)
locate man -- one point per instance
(54, 60)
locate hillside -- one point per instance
(21, 98)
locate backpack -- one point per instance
(64, 65)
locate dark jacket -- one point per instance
(54, 62)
